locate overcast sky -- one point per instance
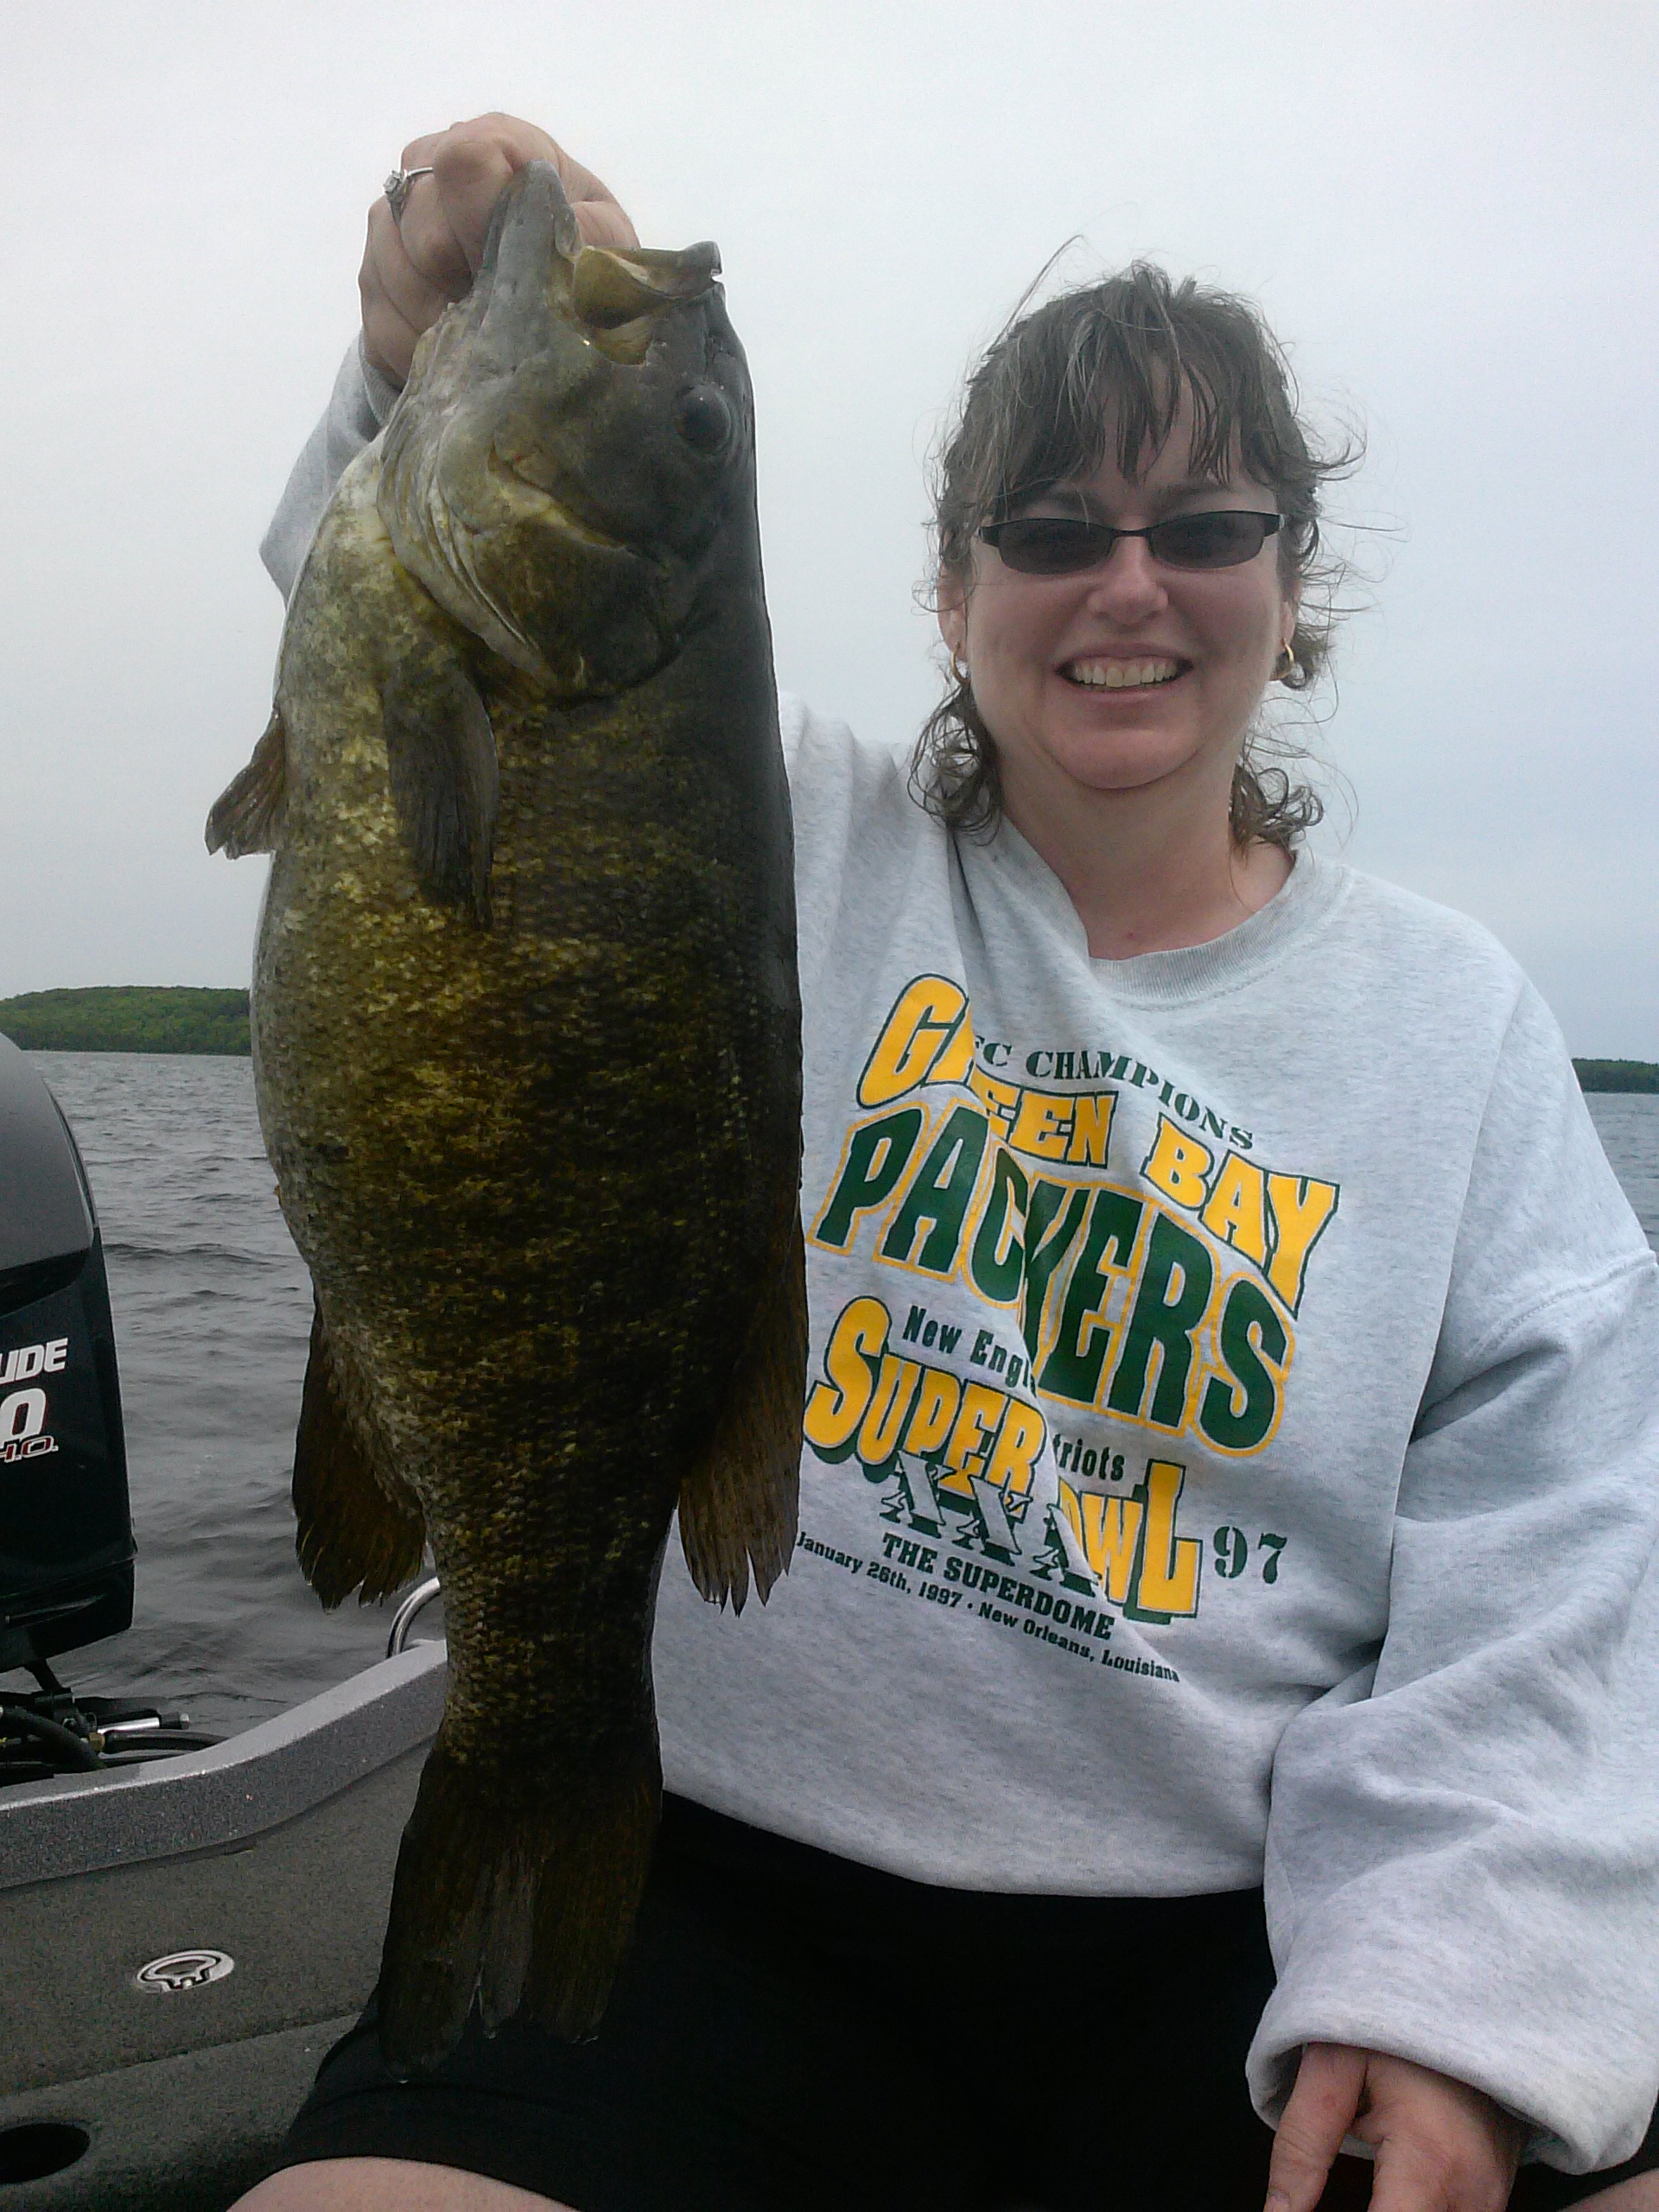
(1448, 212)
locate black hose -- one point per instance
(72, 1749)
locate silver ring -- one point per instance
(397, 189)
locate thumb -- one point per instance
(1318, 2114)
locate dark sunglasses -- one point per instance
(1063, 545)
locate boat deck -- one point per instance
(274, 1851)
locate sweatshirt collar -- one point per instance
(1308, 894)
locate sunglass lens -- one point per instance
(1212, 541)
(1052, 545)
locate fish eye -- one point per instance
(703, 414)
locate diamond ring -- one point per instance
(397, 189)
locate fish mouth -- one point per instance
(1144, 671)
(618, 297)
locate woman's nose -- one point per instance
(1129, 584)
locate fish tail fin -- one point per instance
(358, 1528)
(738, 1504)
(523, 1888)
(247, 815)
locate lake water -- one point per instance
(212, 1312)
(213, 1315)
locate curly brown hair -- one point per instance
(1034, 411)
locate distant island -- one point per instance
(172, 1018)
(1617, 1074)
(127, 1018)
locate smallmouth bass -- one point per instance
(526, 1039)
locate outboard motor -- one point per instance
(66, 1529)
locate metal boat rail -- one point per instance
(403, 1619)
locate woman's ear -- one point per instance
(951, 606)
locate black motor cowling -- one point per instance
(66, 1529)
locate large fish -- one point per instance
(527, 1049)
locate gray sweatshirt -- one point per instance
(1231, 1451)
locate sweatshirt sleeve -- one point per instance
(360, 402)
(1463, 1851)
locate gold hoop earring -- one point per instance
(1285, 667)
(961, 670)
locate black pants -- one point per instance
(794, 2033)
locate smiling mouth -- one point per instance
(1143, 675)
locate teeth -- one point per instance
(1122, 675)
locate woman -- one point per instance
(1229, 1436)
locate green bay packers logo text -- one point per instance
(1167, 1300)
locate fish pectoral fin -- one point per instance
(738, 1504)
(247, 815)
(445, 779)
(358, 1527)
(520, 1884)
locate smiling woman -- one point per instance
(1114, 377)
(1127, 520)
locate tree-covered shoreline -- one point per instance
(178, 1018)
(127, 1018)
(1617, 1074)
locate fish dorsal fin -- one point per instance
(445, 779)
(247, 815)
(738, 1504)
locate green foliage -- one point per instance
(127, 1018)
(1610, 1075)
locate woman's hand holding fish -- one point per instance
(414, 266)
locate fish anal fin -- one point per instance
(738, 1504)
(358, 1529)
(520, 1886)
(441, 760)
(247, 815)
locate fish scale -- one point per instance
(527, 1051)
